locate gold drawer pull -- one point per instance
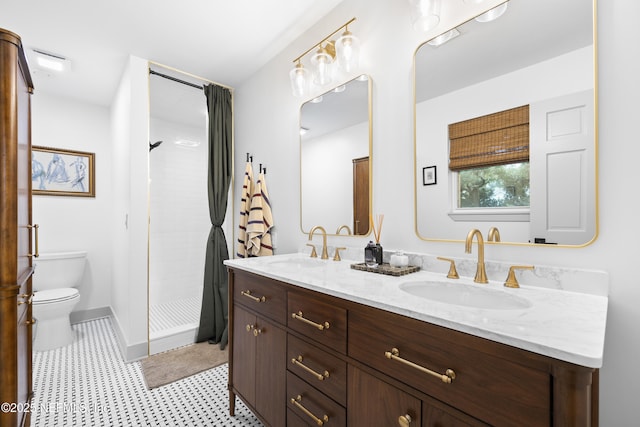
(447, 377)
(296, 402)
(404, 420)
(26, 299)
(320, 377)
(256, 299)
(298, 316)
(30, 322)
(34, 227)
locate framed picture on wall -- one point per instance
(59, 172)
(429, 176)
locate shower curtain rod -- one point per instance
(175, 79)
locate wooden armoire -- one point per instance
(16, 228)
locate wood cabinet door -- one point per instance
(372, 402)
(271, 368)
(244, 354)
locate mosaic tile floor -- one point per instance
(88, 384)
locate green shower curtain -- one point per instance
(215, 310)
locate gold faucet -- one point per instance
(342, 227)
(324, 255)
(481, 273)
(494, 235)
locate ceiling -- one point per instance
(221, 40)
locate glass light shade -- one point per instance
(425, 14)
(299, 77)
(348, 52)
(323, 67)
(444, 37)
(493, 14)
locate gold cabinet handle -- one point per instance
(256, 299)
(31, 322)
(404, 420)
(320, 421)
(26, 299)
(256, 332)
(250, 327)
(298, 362)
(447, 377)
(37, 252)
(321, 327)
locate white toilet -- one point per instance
(54, 280)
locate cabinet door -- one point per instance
(271, 368)
(244, 354)
(373, 402)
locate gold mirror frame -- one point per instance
(329, 97)
(417, 171)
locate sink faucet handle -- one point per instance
(314, 254)
(511, 281)
(453, 273)
(336, 257)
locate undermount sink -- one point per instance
(465, 295)
(298, 263)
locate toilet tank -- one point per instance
(58, 270)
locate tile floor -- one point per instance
(88, 384)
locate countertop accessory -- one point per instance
(386, 269)
(453, 273)
(511, 281)
(399, 259)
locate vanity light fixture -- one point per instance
(343, 53)
(444, 37)
(425, 14)
(493, 14)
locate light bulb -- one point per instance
(299, 77)
(348, 51)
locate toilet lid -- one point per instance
(54, 295)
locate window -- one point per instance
(503, 186)
(489, 156)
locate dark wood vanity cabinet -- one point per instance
(16, 226)
(343, 363)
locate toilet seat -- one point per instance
(54, 295)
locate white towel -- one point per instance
(245, 207)
(260, 221)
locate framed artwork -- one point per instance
(429, 176)
(58, 172)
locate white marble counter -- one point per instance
(565, 325)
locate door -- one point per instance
(562, 152)
(244, 354)
(361, 196)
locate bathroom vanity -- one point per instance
(317, 343)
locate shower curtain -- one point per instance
(215, 311)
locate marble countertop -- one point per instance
(565, 325)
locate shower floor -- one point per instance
(174, 324)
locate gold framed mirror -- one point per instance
(335, 159)
(539, 54)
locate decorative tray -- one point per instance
(386, 269)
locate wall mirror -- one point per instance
(540, 55)
(335, 159)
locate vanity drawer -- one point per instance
(323, 371)
(311, 405)
(323, 322)
(491, 388)
(260, 294)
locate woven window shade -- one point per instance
(495, 139)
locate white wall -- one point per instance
(77, 223)
(267, 125)
(129, 222)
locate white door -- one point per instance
(562, 170)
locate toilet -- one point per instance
(55, 279)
